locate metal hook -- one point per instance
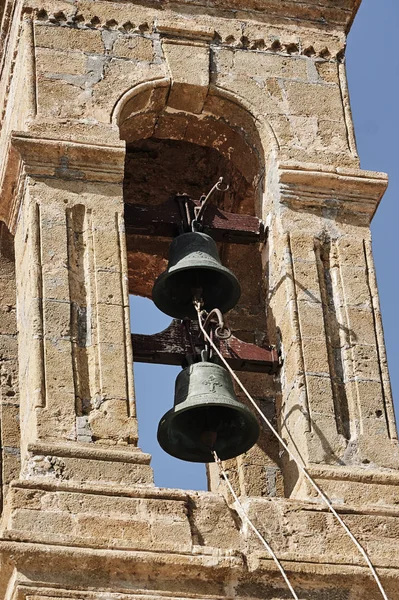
(199, 211)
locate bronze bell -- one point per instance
(206, 416)
(195, 271)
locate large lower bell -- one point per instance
(195, 270)
(206, 416)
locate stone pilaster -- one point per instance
(75, 357)
(336, 403)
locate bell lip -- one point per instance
(167, 417)
(157, 297)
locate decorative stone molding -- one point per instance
(307, 13)
(318, 187)
(247, 38)
(55, 158)
(69, 160)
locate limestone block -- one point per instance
(109, 288)
(110, 317)
(320, 394)
(86, 132)
(324, 445)
(331, 136)
(118, 76)
(10, 433)
(112, 368)
(263, 99)
(35, 521)
(314, 99)
(11, 465)
(341, 160)
(59, 378)
(136, 48)
(327, 71)
(370, 394)
(57, 320)
(189, 70)
(351, 250)
(365, 362)
(316, 357)
(171, 127)
(302, 247)
(55, 276)
(69, 38)
(106, 250)
(356, 288)
(7, 319)
(212, 524)
(361, 326)
(311, 321)
(57, 422)
(126, 532)
(110, 423)
(264, 66)
(307, 283)
(139, 127)
(60, 99)
(49, 60)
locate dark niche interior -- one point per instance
(155, 171)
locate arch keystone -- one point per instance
(189, 72)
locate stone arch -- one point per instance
(224, 123)
(224, 138)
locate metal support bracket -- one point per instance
(171, 346)
(176, 215)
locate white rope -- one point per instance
(300, 466)
(252, 526)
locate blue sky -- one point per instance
(373, 77)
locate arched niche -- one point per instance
(171, 151)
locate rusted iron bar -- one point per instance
(175, 215)
(170, 347)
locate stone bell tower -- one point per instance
(109, 109)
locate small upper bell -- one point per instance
(195, 271)
(206, 417)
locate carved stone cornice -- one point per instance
(320, 14)
(316, 187)
(55, 159)
(70, 160)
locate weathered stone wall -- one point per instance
(257, 94)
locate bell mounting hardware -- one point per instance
(170, 219)
(171, 346)
(206, 420)
(176, 215)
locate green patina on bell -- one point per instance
(195, 271)
(206, 416)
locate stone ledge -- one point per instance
(55, 159)
(344, 190)
(65, 159)
(195, 523)
(138, 575)
(149, 492)
(323, 14)
(378, 488)
(113, 453)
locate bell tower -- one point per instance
(116, 118)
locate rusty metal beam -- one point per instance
(170, 347)
(174, 217)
